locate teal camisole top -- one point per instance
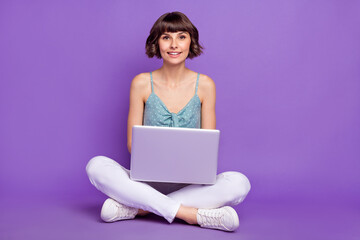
(157, 114)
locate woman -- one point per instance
(165, 97)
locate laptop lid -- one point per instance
(173, 154)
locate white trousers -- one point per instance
(113, 180)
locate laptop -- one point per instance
(174, 154)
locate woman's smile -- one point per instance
(174, 54)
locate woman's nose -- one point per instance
(173, 44)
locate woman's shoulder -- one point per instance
(140, 85)
(141, 79)
(206, 82)
(206, 88)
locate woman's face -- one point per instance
(174, 47)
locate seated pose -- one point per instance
(172, 96)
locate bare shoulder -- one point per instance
(206, 87)
(140, 80)
(140, 84)
(206, 81)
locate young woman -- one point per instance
(172, 96)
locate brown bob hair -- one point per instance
(172, 22)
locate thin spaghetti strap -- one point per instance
(152, 87)
(197, 83)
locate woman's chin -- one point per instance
(173, 61)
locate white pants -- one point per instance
(164, 199)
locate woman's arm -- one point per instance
(136, 108)
(208, 116)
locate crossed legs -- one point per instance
(113, 180)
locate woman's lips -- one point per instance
(174, 54)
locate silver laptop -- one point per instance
(173, 154)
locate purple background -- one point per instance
(288, 108)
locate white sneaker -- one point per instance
(224, 218)
(112, 211)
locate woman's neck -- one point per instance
(173, 75)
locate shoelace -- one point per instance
(212, 218)
(124, 211)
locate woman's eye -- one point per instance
(182, 37)
(165, 37)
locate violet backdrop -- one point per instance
(288, 91)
